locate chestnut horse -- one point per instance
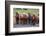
(23, 18)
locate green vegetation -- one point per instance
(31, 11)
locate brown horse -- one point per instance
(17, 18)
(35, 19)
(23, 19)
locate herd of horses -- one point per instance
(26, 19)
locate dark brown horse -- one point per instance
(17, 18)
(35, 20)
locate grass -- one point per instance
(31, 11)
